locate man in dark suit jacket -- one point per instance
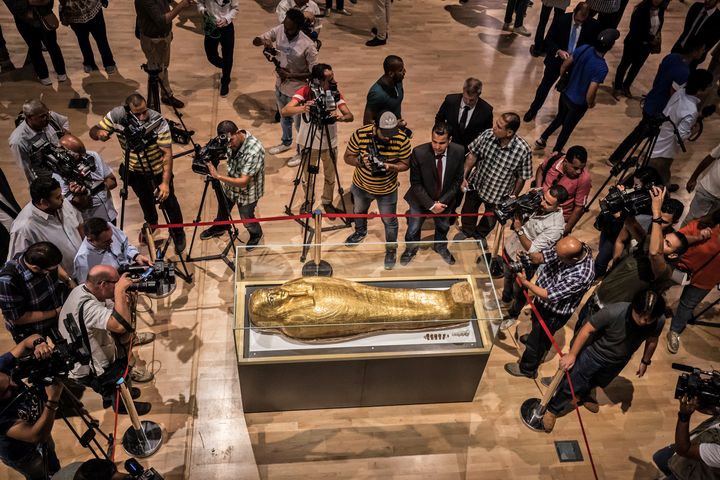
(9, 210)
(466, 113)
(436, 173)
(702, 22)
(559, 47)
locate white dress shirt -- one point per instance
(218, 9)
(119, 253)
(683, 111)
(469, 112)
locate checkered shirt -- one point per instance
(26, 291)
(565, 284)
(498, 167)
(248, 160)
(604, 6)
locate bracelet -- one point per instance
(645, 362)
(38, 341)
(658, 220)
(54, 407)
(684, 417)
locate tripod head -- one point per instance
(153, 72)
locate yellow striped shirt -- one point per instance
(396, 150)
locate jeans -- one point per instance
(4, 54)
(587, 365)
(550, 76)
(36, 37)
(633, 58)
(286, 123)
(339, 4)
(386, 204)
(542, 24)
(513, 292)
(519, 7)
(246, 211)
(470, 226)
(33, 467)
(226, 41)
(606, 248)
(568, 116)
(538, 343)
(702, 204)
(96, 28)
(662, 457)
(442, 226)
(690, 298)
(144, 187)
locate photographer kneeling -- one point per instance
(245, 182)
(106, 331)
(26, 420)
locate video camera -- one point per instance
(376, 161)
(157, 279)
(135, 470)
(212, 152)
(138, 136)
(630, 200)
(61, 161)
(524, 206)
(324, 103)
(703, 385)
(62, 360)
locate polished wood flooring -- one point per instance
(196, 396)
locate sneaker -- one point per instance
(172, 101)
(330, 208)
(214, 231)
(507, 27)
(521, 30)
(141, 375)
(673, 342)
(407, 256)
(541, 143)
(111, 69)
(374, 31)
(343, 12)
(279, 149)
(46, 81)
(546, 381)
(375, 42)
(446, 255)
(180, 243)
(535, 52)
(590, 404)
(626, 91)
(62, 78)
(224, 89)
(390, 259)
(549, 421)
(354, 239)
(294, 161)
(252, 242)
(143, 338)
(508, 322)
(528, 117)
(513, 369)
(142, 408)
(89, 68)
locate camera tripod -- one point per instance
(310, 160)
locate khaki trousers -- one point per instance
(382, 18)
(157, 54)
(328, 174)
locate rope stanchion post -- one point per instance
(317, 267)
(144, 438)
(533, 409)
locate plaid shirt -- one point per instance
(604, 6)
(248, 160)
(37, 292)
(565, 284)
(498, 167)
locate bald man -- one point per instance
(99, 205)
(566, 276)
(108, 329)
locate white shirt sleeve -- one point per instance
(715, 152)
(710, 454)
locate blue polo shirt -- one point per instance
(672, 69)
(587, 67)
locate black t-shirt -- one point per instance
(617, 336)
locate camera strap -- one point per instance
(86, 339)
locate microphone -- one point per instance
(682, 367)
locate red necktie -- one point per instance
(439, 166)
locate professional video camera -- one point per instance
(213, 151)
(703, 385)
(630, 200)
(138, 136)
(324, 103)
(62, 360)
(135, 470)
(271, 54)
(376, 161)
(523, 263)
(157, 279)
(59, 160)
(524, 206)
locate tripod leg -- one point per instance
(341, 191)
(198, 216)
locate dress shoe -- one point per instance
(513, 369)
(342, 12)
(590, 404)
(375, 42)
(224, 89)
(521, 30)
(143, 338)
(140, 375)
(134, 393)
(252, 242)
(354, 239)
(673, 187)
(390, 259)
(549, 421)
(541, 142)
(180, 243)
(330, 208)
(446, 255)
(214, 231)
(507, 27)
(172, 101)
(535, 52)
(407, 256)
(523, 339)
(528, 117)
(142, 408)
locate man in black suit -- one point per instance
(567, 32)
(436, 172)
(702, 22)
(9, 210)
(466, 113)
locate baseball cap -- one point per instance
(607, 37)
(388, 124)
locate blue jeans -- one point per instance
(386, 204)
(586, 367)
(286, 123)
(442, 226)
(689, 299)
(661, 459)
(605, 253)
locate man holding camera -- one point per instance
(436, 172)
(566, 276)
(26, 420)
(105, 244)
(304, 103)
(378, 152)
(244, 183)
(540, 231)
(497, 165)
(296, 55)
(38, 124)
(150, 167)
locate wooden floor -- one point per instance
(196, 396)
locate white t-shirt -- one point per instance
(710, 454)
(95, 315)
(710, 182)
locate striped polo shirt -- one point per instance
(397, 149)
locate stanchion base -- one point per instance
(312, 269)
(532, 414)
(136, 446)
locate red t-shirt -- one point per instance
(699, 254)
(578, 189)
(304, 94)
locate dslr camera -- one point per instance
(522, 264)
(522, 206)
(375, 161)
(136, 471)
(157, 279)
(212, 152)
(271, 55)
(703, 385)
(57, 159)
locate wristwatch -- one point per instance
(521, 232)
(645, 362)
